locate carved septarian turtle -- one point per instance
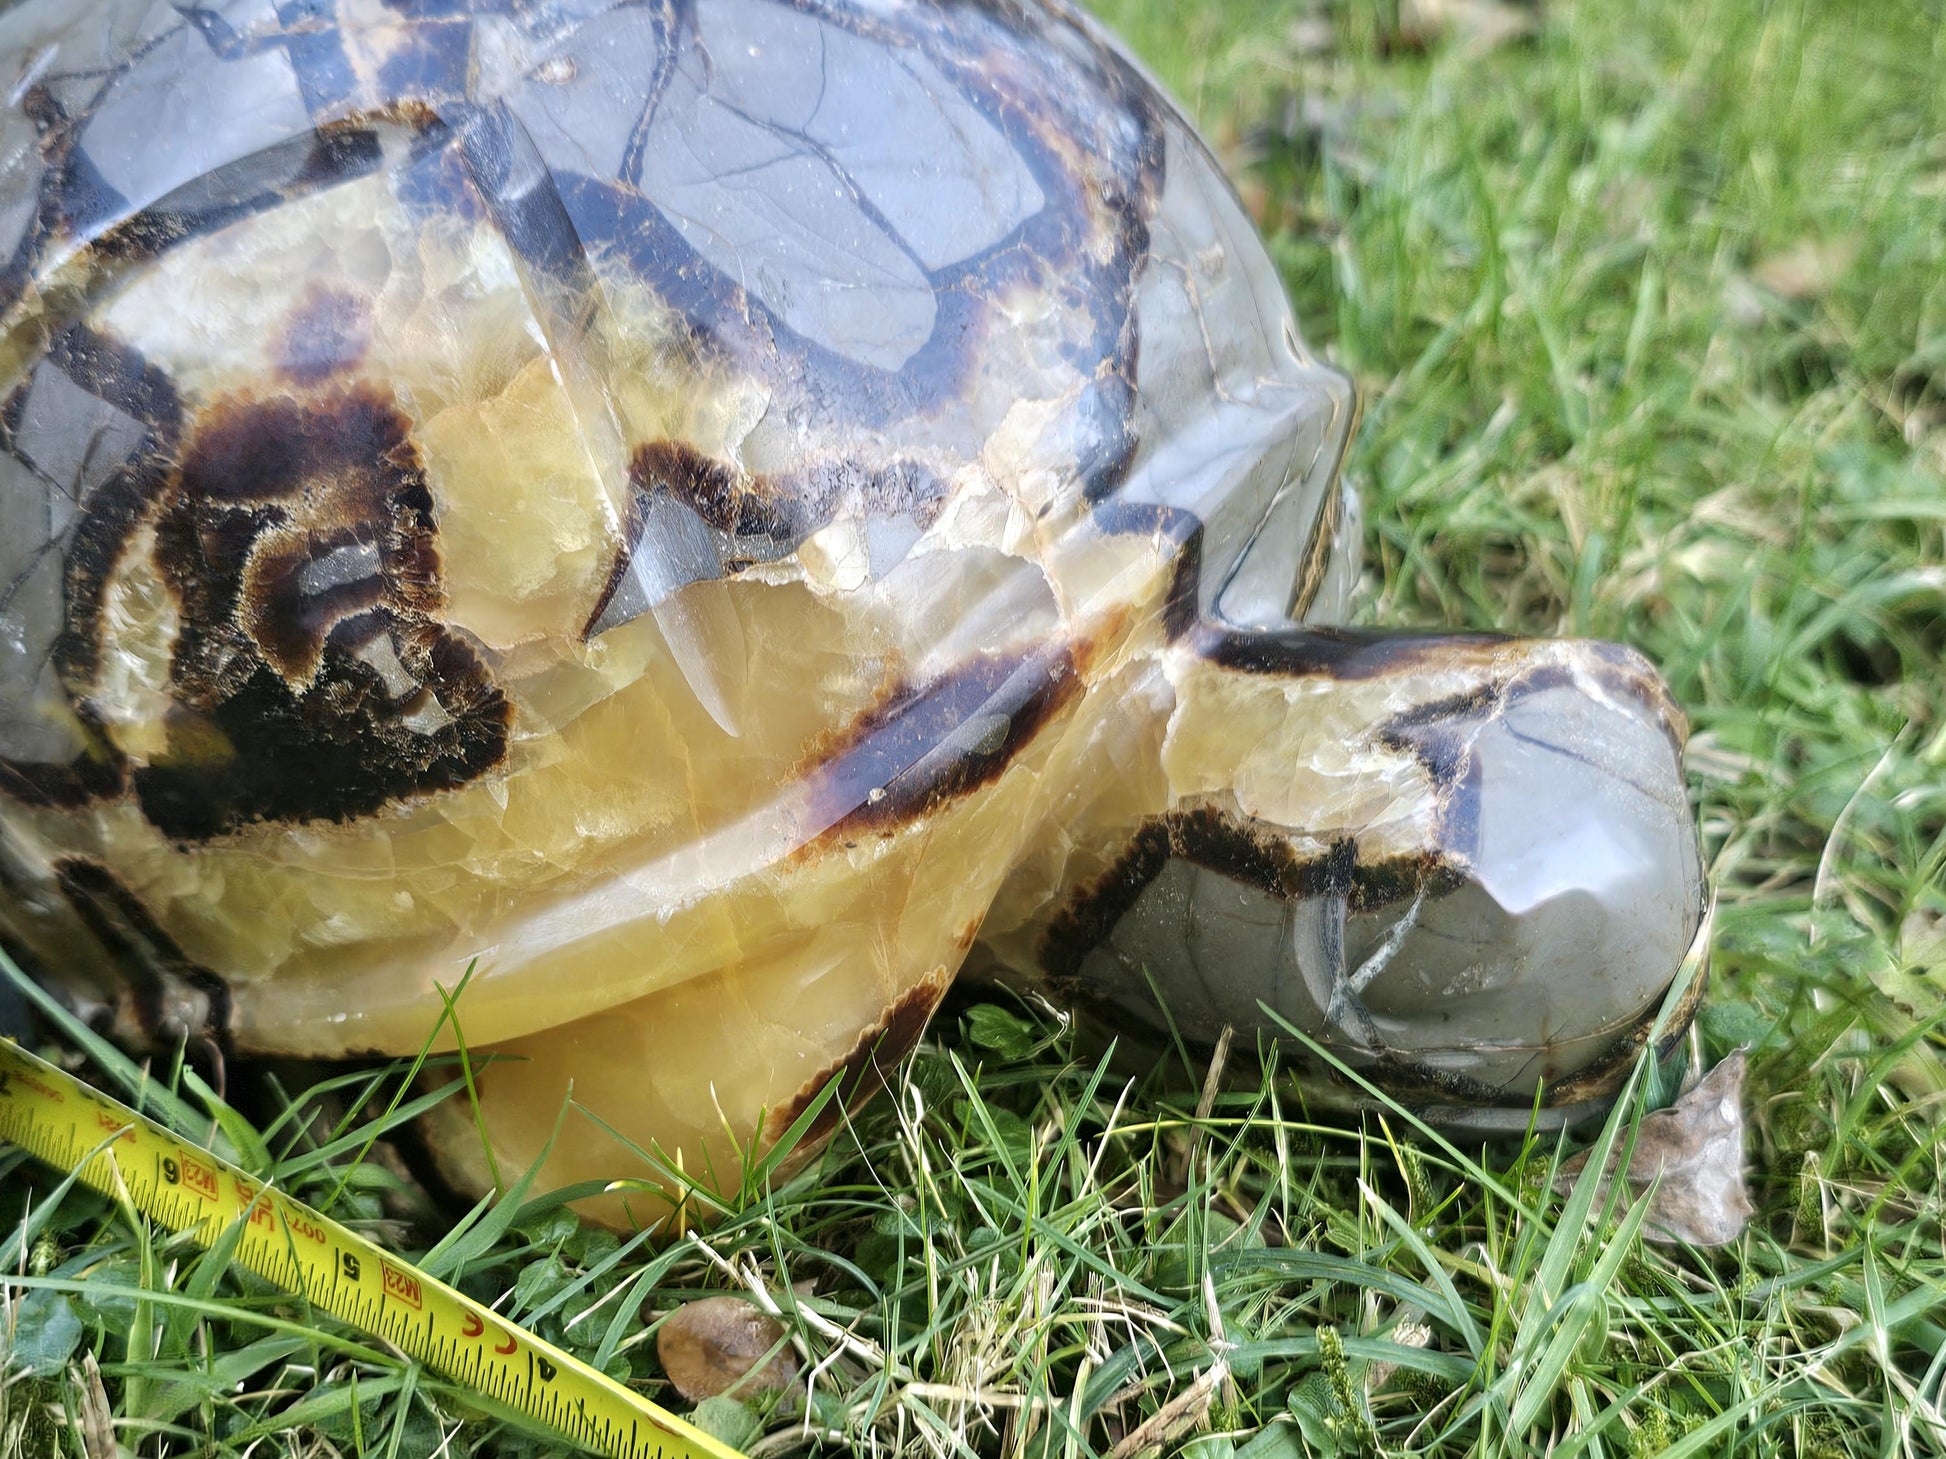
(703, 512)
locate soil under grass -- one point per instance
(1647, 303)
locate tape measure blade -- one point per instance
(63, 1122)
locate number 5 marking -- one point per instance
(471, 1325)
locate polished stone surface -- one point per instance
(691, 517)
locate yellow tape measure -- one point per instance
(57, 1118)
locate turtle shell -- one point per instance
(649, 508)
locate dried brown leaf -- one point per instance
(1690, 1156)
(97, 1422)
(1187, 1410)
(718, 1344)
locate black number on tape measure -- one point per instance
(189, 1172)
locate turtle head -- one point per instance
(1466, 864)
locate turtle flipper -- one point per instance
(678, 1100)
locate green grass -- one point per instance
(1648, 308)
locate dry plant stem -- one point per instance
(1218, 1340)
(1180, 1414)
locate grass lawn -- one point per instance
(1648, 306)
